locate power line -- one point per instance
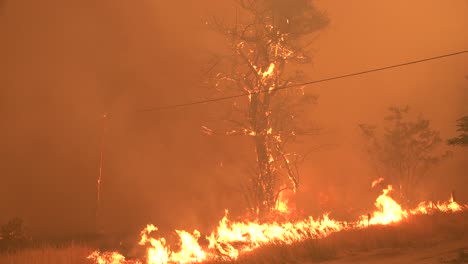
(304, 83)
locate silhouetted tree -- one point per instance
(268, 45)
(405, 151)
(12, 234)
(462, 139)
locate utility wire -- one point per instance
(304, 83)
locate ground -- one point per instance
(439, 238)
(453, 252)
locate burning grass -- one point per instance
(234, 240)
(415, 233)
(389, 226)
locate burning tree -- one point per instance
(267, 44)
(405, 152)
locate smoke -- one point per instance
(66, 63)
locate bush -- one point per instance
(13, 235)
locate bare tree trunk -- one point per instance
(259, 121)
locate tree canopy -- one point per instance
(462, 139)
(405, 151)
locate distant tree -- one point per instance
(405, 152)
(12, 234)
(267, 44)
(462, 139)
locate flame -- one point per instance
(374, 183)
(427, 207)
(271, 159)
(107, 258)
(158, 252)
(270, 70)
(266, 74)
(231, 239)
(283, 205)
(388, 211)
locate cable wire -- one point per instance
(304, 83)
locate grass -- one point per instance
(417, 232)
(71, 254)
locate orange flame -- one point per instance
(388, 211)
(230, 239)
(283, 204)
(107, 258)
(158, 252)
(374, 183)
(425, 207)
(270, 70)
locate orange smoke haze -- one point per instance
(64, 63)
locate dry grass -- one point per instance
(72, 254)
(417, 232)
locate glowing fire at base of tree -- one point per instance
(230, 239)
